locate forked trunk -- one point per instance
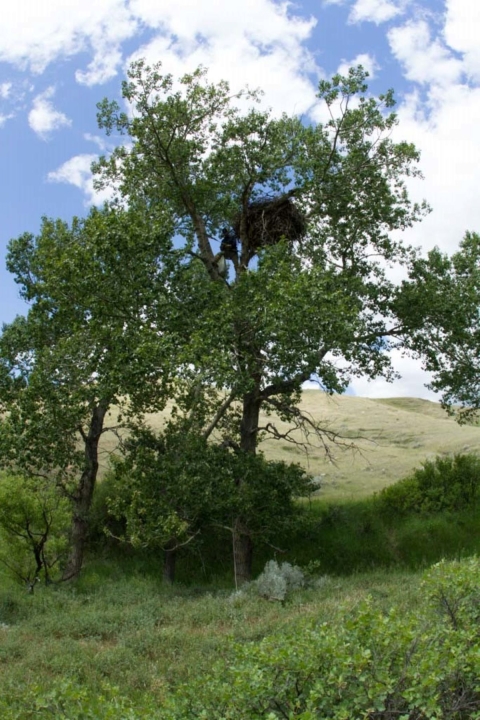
(82, 500)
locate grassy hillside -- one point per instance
(390, 438)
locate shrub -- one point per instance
(34, 518)
(277, 580)
(446, 483)
(370, 664)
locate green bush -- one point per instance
(370, 664)
(446, 483)
(34, 520)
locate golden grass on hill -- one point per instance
(391, 436)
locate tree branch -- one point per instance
(219, 415)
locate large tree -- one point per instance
(300, 287)
(85, 347)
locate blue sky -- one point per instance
(58, 59)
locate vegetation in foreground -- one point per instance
(377, 645)
(367, 635)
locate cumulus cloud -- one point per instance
(441, 115)
(377, 11)
(367, 61)
(4, 118)
(33, 34)
(43, 118)
(257, 42)
(462, 22)
(450, 160)
(5, 90)
(425, 60)
(262, 39)
(99, 141)
(77, 172)
(412, 382)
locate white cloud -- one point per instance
(450, 160)
(259, 39)
(43, 118)
(462, 24)
(4, 118)
(377, 11)
(98, 140)
(412, 382)
(33, 34)
(5, 89)
(77, 172)
(441, 116)
(367, 61)
(424, 60)
(256, 42)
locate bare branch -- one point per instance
(219, 415)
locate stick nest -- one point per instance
(269, 220)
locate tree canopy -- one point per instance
(304, 216)
(444, 294)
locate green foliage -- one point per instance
(301, 306)
(417, 665)
(82, 348)
(34, 519)
(444, 294)
(168, 487)
(69, 701)
(171, 488)
(446, 483)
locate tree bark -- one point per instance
(249, 423)
(82, 499)
(242, 540)
(169, 563)
(242, 553)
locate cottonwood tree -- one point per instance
(84, 348)
(300, 287)
(442, 300)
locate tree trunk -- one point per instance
(242, 541)
(242, 553)
(82, 500)
(249, 424)
(169, 563)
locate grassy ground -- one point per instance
(120, 625)
(129, 630)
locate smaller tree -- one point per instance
(34, 520)
(441, 298)
(173, 487)
(85, 348)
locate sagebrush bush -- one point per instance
(277, 580)
(445, 483)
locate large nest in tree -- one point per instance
(269, 220)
